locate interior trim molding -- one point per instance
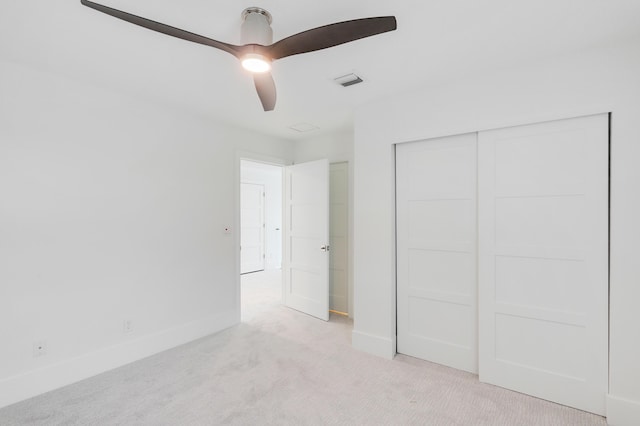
(622, 412)
(375, 345)
(35, 382)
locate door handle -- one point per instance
(324, 248)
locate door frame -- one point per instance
(255, 157)
(349, 253)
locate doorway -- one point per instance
(262, 223)
(260, 216)
(260, 237)
(252, 227)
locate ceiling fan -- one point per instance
(258, 50)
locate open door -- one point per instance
(252, 227)
(306, 226)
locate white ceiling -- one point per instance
(436, 41)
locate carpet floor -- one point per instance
(281, 367)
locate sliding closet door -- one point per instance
(436, 250)
(543, 260)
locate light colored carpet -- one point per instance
(281, 367)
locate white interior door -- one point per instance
(543, 260)
(251, 227)
(306, 248)
(436, 250)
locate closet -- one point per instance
(502, 256)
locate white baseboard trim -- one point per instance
(375, 345)
(36, 382)
(622, 412)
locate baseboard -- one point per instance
(36, 382)
(375, 345)
(622, 412)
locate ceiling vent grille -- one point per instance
(348, 80)
(304, 127)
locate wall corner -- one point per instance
(622, 412)
(374, 345)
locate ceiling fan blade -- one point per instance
(165, 29)
(266, 88)
(331, 35)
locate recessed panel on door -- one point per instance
(436, 247)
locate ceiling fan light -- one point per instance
(256, 63)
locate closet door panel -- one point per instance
(543, 260)
(436, 247)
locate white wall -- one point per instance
(111, 208)
(271, 178)
(590, 82)
(336, 147)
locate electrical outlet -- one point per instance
(39, 348)
(127, 326)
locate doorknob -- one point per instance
(324, 248)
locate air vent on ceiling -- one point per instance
(348, 80)
(303, 127)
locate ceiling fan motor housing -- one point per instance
(256, 27)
